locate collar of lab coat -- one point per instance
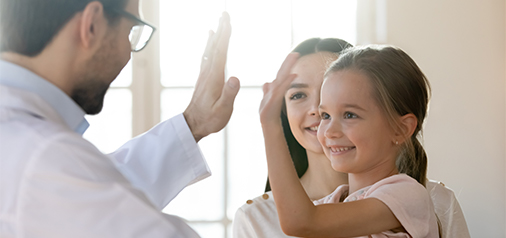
(24, 90)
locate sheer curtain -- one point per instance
(163, 75)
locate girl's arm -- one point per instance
(297, 214)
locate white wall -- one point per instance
(461, 47)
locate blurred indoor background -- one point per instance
(459, 44)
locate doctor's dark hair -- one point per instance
(399, 88)
(28, 26)
(307, 47)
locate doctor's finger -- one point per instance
(205, 57)
(212, 43)
(223, 39)
(210, 49)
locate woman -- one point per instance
(258, 218)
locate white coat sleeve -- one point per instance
(70, 189)
(162, 161)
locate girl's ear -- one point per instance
(407, 126)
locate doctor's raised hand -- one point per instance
(213, 99)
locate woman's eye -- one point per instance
(297, 96)
(325, 116)
(349, 115)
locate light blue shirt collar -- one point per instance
(15, 76)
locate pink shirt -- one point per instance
(407, 199)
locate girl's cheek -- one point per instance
(321, 133)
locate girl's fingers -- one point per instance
(287, 66)
(265, 88)
(278, 87)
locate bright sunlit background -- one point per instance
(263, 33)
(459, 45)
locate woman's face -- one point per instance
(354, 131)
(303, 98)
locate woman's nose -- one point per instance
(313, 110)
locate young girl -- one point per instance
(373, 103)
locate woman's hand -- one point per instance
(271, 105)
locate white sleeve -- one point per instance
(448, 211)
(242, 227)
(456, 223)
(258, 218)
(70, 189)
(162, 161)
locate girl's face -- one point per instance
(303, 98)
(354, 131)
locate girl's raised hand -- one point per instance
(270, 107)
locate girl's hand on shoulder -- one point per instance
(272, 102)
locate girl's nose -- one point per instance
(333, 130)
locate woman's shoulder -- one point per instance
(439, 189)
(447, 209)
(258, 217)
(443, 197)
(263, 205)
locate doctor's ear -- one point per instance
(92, 24)
(407, 126)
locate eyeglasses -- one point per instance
(140, 34)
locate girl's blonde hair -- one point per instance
(400, 88)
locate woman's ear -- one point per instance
(407, 126)
(91, 23)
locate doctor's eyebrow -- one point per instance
(299, 85)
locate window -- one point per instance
(263, 33)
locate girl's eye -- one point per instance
(325, 116)
(349, 115)
(296, 96)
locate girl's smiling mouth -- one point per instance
(337, 150)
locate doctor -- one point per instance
(57, 61)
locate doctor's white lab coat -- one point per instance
(54, 183)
